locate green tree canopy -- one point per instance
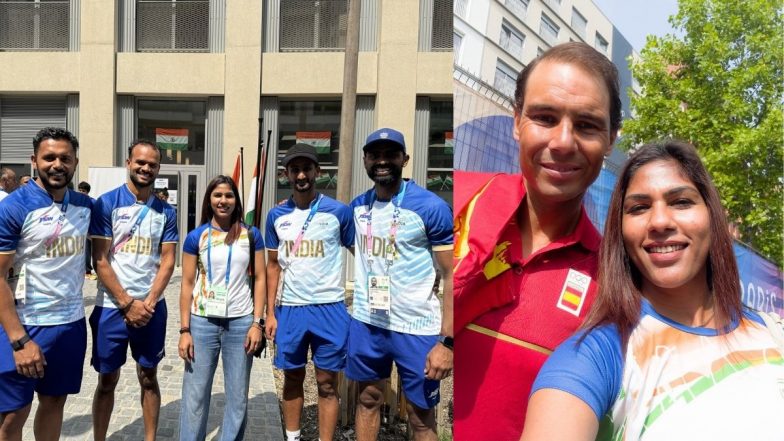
(719, 86)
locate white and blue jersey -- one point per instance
(212, 264)
(425, 225)
(53, 262)
(313, 274)
(674, 381)
(136, 262)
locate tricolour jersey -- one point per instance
(53, 262)
(238, 292)
(425, 225)
(675, 382)
(136, 262)
(312, 275)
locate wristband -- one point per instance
(18, 345)
(449, 342)
(184, 330)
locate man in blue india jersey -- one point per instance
(134, 238)
(43, 228)
(400, 229)
(304, 268)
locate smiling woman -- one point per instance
(668, 308)
(220, 313)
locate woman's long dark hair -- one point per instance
(236, 215)
(618, 300)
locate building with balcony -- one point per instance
(495, 39)
(220, 73)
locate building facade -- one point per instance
(211, 76)
(495, 39)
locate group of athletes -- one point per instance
(396, 231)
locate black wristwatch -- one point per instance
(18, 345)
(449, 342)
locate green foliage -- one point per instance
(720, 86)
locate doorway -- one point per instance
(186, 186)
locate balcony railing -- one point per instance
(313, 25)
(442, 26)
(167, 26)
(34, 26)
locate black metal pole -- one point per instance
(242, 178)
(259, 171)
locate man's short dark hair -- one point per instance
(143, 141)
(84, 186)
(589, 59)
(55, 133)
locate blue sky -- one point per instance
(638, 18)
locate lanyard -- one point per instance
(392, 228)
(209, 257)
(135, 226)
(61, 220)
(298, 241)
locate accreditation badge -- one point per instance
(379, 295)
(216, 301)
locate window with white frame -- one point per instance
(34, 25)
(511, 39)
(548, 30)
(505, 79)
(579, 23)
(553, 3)
(172, 25)
(601, 43)
(518, 7)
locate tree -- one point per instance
(719, 86)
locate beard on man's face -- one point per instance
(140, 184)
(394, 175)
(55, 180)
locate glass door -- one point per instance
(185, 186)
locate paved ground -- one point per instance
(126, 424)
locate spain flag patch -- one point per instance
(573, 292)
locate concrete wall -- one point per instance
(395, 73)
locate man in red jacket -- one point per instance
(525, 250)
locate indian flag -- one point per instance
(449, 142)
(172, 139)
(250, 205)
(319, 140)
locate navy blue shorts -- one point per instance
(371, 351)
(63, 346)
(111, 337)
(321, 328)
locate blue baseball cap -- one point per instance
(385, 135)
